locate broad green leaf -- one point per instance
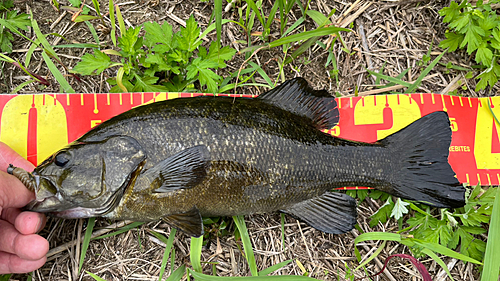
(159, 61)
(205, 75)
(147, 84)
(219, 56)
(91, 64)
(452, 41)
(189, 35)
(473, 38)
(451, 12)
(382, 213)
(128, 41)
(21, 21)
(159, 34)
(399, 209)
(460, 22)
(488, 22)
(484, 54)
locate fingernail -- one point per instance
(41, 222)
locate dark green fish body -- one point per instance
(212, 156)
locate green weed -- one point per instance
(161, 60)
(475, 25)
(10, 22)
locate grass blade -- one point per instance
(491, 261)
(439, 261)
(306, 35)
(320, 19)
(46, 45)
(218, 20)
(168, 248)
(252, 5)
(374, 255)
(390, 79)
(5, 277)
(273, 268)
(97, 7)
(121, 23)
(94, 34)
(293, 26)
(271, 18)
(262, 73)
(121, 230)
(424, 73)
(22, 85)
(443, 250)
(95, 276)
(203, 277)
(112, 19)
(57, 74)
(195, 253)
(177, 274)
(86, 241)
(247, 244)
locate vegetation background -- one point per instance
(385, 47)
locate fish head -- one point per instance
(87, 179)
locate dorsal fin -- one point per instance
(296, 96)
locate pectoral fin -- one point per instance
(331, 212)
(185, 169)
(189, 222)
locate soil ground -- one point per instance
(396, 34)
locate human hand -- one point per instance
(21, 250)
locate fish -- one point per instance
(183, 159)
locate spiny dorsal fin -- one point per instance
(331, 212)
(189, 222)
(185, 169)
(296, 96)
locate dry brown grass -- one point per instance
(397, 33)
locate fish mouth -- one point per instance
(49, 200)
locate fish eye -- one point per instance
(62, 158)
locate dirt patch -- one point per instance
(395, 35)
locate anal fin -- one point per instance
(189, 222)
(331, 212)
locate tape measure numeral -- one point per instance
(453, 124)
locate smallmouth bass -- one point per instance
(182, 159)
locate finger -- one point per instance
(29, 247)
(13, 194)
(9, 156)
(24, 222)
(10, 263)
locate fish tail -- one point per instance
(421, 154)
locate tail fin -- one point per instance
(424, 173)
